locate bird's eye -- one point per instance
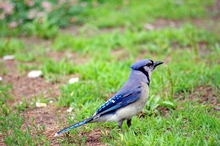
(149, 63)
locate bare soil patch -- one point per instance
(210, 23)
(24, 87)
(30, 41)
(51, 117)
(203, 95)
(74, 30)
(90, 31)
(120, 54)
(76, 58)
(93, 138)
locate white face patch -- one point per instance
(149, 70)
(146, 68)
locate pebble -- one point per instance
(70, 109)
(73, 80)
(56, 135)
(35, 74)
(148, 26)
(9, 57)
(172, 24)
(38, 104)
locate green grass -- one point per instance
(101, 59)
(177, 128)
(11, 129)
(10, 46)
(129, 13)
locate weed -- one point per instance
(10, 46)
(5, 108)
(42, 28)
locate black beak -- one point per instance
(156, 63)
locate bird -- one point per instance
(128, 101)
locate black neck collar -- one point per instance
(146, 74)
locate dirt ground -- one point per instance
(51, 116)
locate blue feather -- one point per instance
(117, 102)
(75, 125)
(109, 103)
(141, 63)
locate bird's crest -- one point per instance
(141, 63)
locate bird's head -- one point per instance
(146, 66)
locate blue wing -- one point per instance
(130, 92)
(117, 102)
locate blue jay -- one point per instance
(128, 101)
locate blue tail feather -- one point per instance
(75, 125)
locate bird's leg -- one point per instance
(129, 122)
(120, 123)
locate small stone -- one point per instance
(38, 104)
(73, 80)
(35, 74)
(148, 26)
(9, 57)
(70, 109)
(51, 101)
(172, 24)
(56, 135)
